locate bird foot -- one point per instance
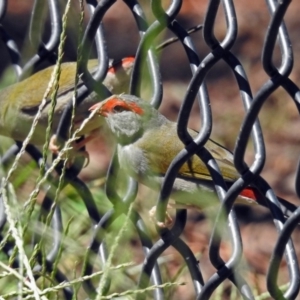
(168, 219)
(53, 147)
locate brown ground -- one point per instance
(279, 120)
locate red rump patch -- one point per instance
(250, 193)
(124, 63)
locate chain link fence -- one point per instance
(48, 262)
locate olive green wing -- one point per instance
(21, 96)
(164, 145)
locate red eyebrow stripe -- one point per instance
(109, 105)
(137, 109)
(125, 62)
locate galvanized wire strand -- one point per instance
(186, 153)
(187, 43)
(86, 195)
(56, 221)
(156, 99)
(236, 193)
(37, 20)
(218, 50)
(95, 248)
(92, 83)
(226, 207)
(279, 220)
(98, 245)
(100, 45)
(48, 262)
(149, 262)
(210, 18)
(228, 269)
(217, 278)
(250, 175)
(170, 237)
(147, 38)
(115, 198)
(56, 224)
(290, 253)
(278, 10)
(121, 206)
(9, 154)
(184, 38)
(89, 35)
(147, 245)
(164, 18)
(262, 95)
(2, 215)
(8, 249)
(111, 182)
(10, 44)
(144, 45)
(253, 111)
(13, 51)
(60, 277)
(57, 227)
(48, 48)
(167, 185)
(111, 175)
(277, 254)
(3, 8)
(258, 140)
(297, 175)
(267, 89)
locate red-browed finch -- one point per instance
(20, 101)
(148, 142)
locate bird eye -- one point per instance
(30, 110)
(118, 109)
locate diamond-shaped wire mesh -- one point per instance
(65, 234)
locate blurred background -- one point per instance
(279, 119)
